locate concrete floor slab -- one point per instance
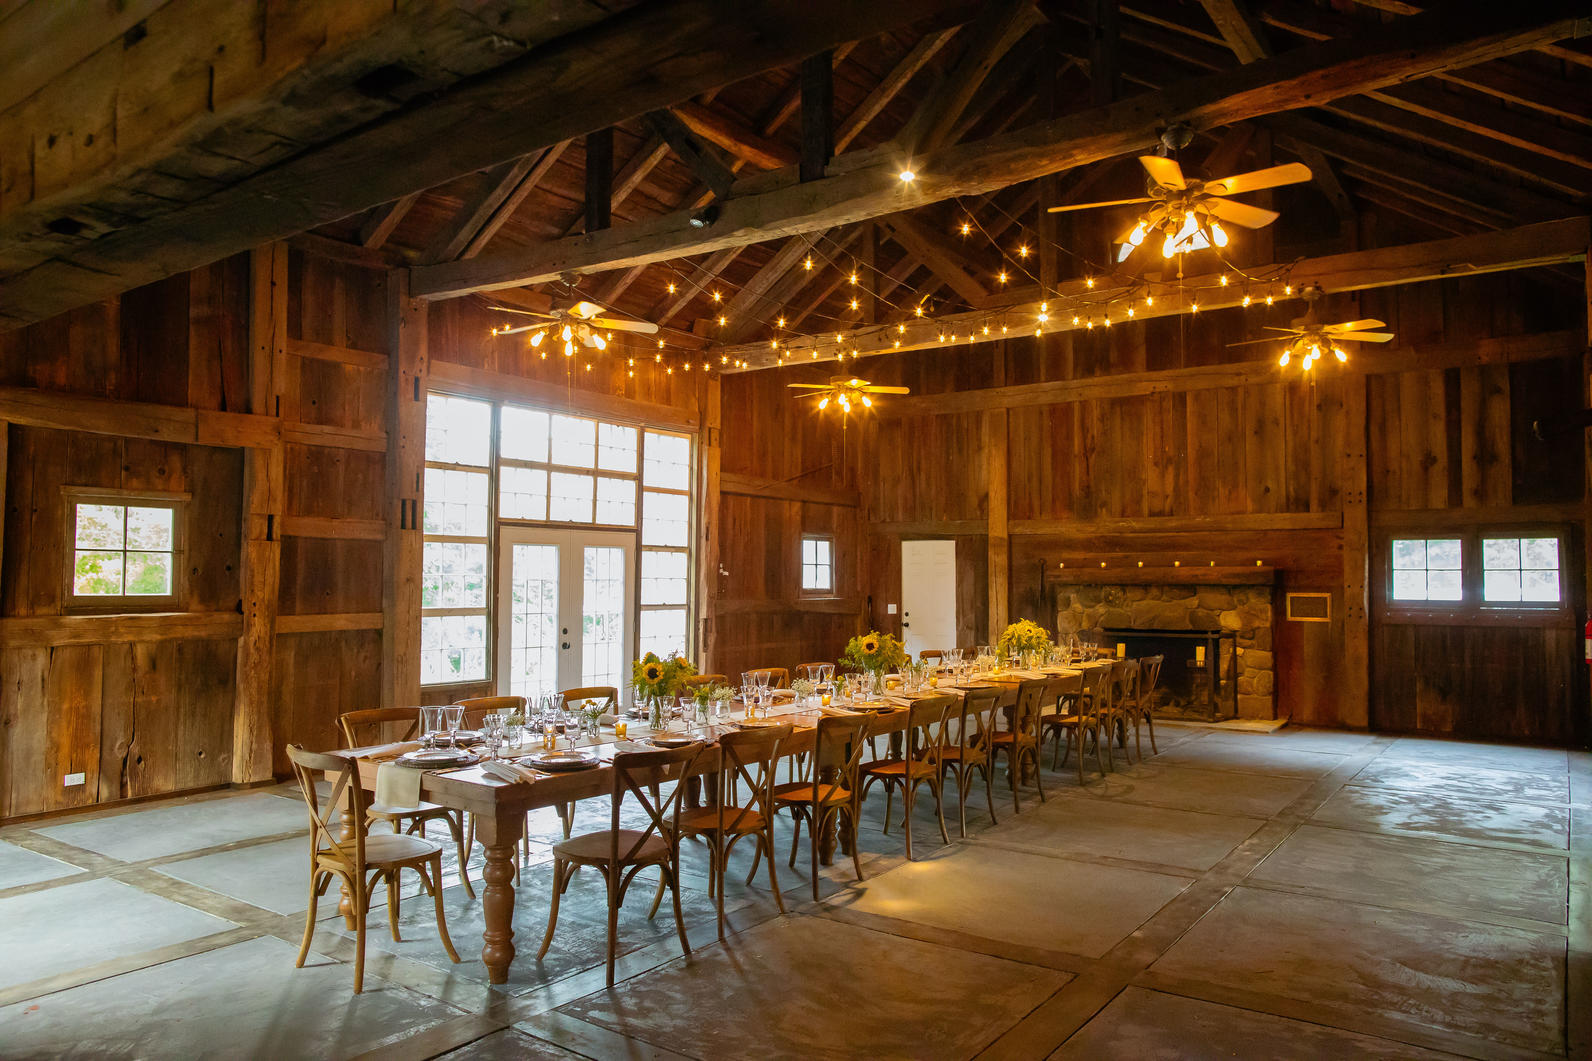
(272, 876)
(1142, 1025)
(1463, 779)
(1254, 757)
(1435, 875)
(241, 1001)
(1160, 835)
(509, 1045)
(1377, 809)
(1186, 788)
(837, 991)
(19, 866)
(1011, 896)
(1348, 962)
(89, 922)
(1485, 756)
(172, 829)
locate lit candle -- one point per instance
(1199, 654)
(1122, 650)
(620, 729)
(549, 736)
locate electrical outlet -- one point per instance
(72, 780)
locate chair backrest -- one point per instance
(1032, 695)
(326, 828)
(840, 743)
(376, 725)
(975, 721)
(698, 680)
(636, 774)
(1149, 677)
(591, 692)
(926, 729)
(1096, 689)
(477, 708)
(810, 670)
(1125, 679)
(778, 677)
(932, 653)
(749, 755)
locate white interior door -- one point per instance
(565, 607)
(928, 595)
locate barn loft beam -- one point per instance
(376, 228)
(565, 88)
(1530, 246)
(997, 29)
(869, 186)
(708, 167)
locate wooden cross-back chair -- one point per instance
(696, 681)
(745, 756)
(839, 744)
(778, 677)
(810, 671)
(919, 763)
(619, 854)
(1124, 690)
(607, 693)
(361, 861)
(1020, 742)
(1093, 704)
(1143, 703)
(970, 750)
(935, 654)
(370, 726)
(477, 708)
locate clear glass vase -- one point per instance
(657, 712)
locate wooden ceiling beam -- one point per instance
(885, 91)
(1000, 25)
(375, 229)
(1530, 246)
(734, 137)
(545, 161)
(1412, 190)
(1240, 29)
(1465, 32)
(700, 277)
(495, 187)
(1537, 135)
(701, 159)
(818, 114)
(750, 302)
(944, 262)
(561, 88)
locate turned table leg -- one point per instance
(345, 903)
(499, 834)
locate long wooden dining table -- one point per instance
(500, 807)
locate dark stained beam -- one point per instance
(709, 168)
(733, 136)
(1105, 52)
(1000, 25)
(599, 179)
(376, 228)
(944, 262)
(818, 114)
(890, 87)
(511, 202)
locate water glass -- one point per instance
(431, 723)
(492, 734)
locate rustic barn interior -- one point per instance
(349, 351)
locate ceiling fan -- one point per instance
(1189, 210)
(579, 322)
(843, 391)
(1310, 338)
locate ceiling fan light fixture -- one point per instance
(1219, 235)
(536, 340)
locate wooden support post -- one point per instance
(1354, 677)
(818, 106)
(1583, 726)
(708, 533)
(259, 576)
(1000, 545)
(599, 179)
(408, 365)
(1105, 72)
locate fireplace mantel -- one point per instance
(1084, 575)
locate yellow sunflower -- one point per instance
(652, 672)
(870, 645)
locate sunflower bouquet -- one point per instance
(660, 677)
(1022, 637)
(875, 652)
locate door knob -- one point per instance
(566, 644)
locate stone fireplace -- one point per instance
(1244, 610)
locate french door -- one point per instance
(565, 609)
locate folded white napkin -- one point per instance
(607, 719)
(397, 786)
(503, 771)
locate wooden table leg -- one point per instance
(499, 833)
(693, 792)
(345, 904)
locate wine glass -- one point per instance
(453, 714)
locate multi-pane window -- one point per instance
(1520, 570)
(124, 550)
(818, 564)
(665, 542)
(566, 469)
(1427, 569)
(456, 523)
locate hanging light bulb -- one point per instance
(569, 348)
(671, 287)
(718, 296)
(867, 402)
(966, 228)
(1283, 360)
(567, 334)
(1219, 234)
(1338, 353)
(1136, 237)
(599, 342)
(823, 403)
(1002, 276)
(536, 340)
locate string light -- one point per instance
(671, 287)
(907, 176)
(1022, 250)
(1002, 276)
(808, 264)
(718, 296)
(966, 228)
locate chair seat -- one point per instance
(598, 847)
(900, 768)
(421, 809)
(706, 820)
(383, 849)
(964, 755)
(802, 792)
(1059, 720)
(1002, 740)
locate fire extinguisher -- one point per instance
(1587, 641)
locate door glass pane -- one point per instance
(533, 618)
(602, 616)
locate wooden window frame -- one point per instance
(1471, 609)
(828, 592)
(125, 604)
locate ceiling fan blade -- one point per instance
(1105, 202)
(525, 312)
(621, 324)
(585, 310)
(1254, 181)
(1252, 342)
(1274, 328)
(808, 386)
(888, 390)
(1356, 326)
(1364, 337)
(1164, 171)
(517, 330)
(1240, 213)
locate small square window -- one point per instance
(1520, 570)
(123, 551)
(1427, 569)
(818, 564)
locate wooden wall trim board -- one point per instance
(709, 551)
(471, 382)
(335, 437)
(334, 621)
(1085, 530)
(51, 630)
(807, 605)
(402, 554)
(341, 354)
(374, 530)
(1354, 674)
(997, 483)
(1428, 518)
(794, 490)
(1402, 358)
(162, 423)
